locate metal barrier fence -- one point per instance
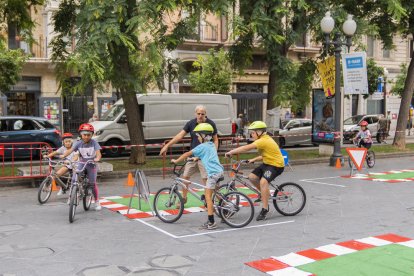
(32, 168)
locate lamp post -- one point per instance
(349, 28)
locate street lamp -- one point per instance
(349, 28)
(385, 92)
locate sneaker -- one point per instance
(60, 192)
(262, 215)
(209, 226)
(98, 206)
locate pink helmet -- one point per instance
(363, 123)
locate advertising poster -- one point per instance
(51, 111)
(323, 122)
(355, 73)
(326, 69)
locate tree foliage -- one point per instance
(14, 13)
(213, 74)
(373, 72)
(398, 88)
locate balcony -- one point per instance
(35, 51)
(205, 32)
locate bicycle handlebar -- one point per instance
(73, 163)
(53, 163)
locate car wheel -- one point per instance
(282, 142)
(114, 151)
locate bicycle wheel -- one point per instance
(45, 190)
(370, 158)
(73, 202)
(236, 209)
(290, 199)
(87, 198)
(165, 205)
(222, 189)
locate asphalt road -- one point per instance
(39, 240)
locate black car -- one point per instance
(17, 130)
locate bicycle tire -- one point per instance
(87, 199)
(236, 210)
(45, 190)
(285, 198)
(370, 159)
(165, 205)
(222, 189)
(73, 203)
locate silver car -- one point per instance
(295, 132)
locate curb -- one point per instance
(158, 171)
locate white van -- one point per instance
(163, 115)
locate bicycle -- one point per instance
(369, 158)
(288, 198)
(79, 189)
(45, 188)
(235, 208)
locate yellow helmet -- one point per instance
(257, 125)
(204, 128)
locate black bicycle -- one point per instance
(369, 158)
(80, 189)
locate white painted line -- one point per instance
(233, 229)
(159, 229)
(113, 197)
(322, 183)
(335, 249)
(294, 259)
(374, 241)
(289, 271)
(210, 232)
(131, 211)
(408, 243)
(112, 206)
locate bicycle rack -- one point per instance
(142, 188)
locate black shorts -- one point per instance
(268, 172)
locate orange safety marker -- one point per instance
(54, 188)
(338, 163)
(130, 180)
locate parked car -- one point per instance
(21, 129)
(295, 132)
(351, 126)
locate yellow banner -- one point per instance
(326, 70)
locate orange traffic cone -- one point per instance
(130, 181)
(338, 163)
(54, 188)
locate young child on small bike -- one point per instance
(207, 152)
(273, 162)
(88, 149)
(364, 137)
(67, 144)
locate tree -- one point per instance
(213, 73)
(398, 88)
(373, 72)
(14, 14)
(122, 42)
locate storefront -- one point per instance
(22, 99)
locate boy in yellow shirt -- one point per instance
(273, 163)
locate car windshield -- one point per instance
(284, 123)
(354, 120)
(112, 113)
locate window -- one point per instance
(307, 123)
(370, 46)
(386, 53)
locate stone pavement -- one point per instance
(39, 240)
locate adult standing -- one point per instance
(240, 125)
(94, 118)
(192, 166)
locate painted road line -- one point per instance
(312, 180)
(290, 271)
(283, 264)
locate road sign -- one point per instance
(326, 70)
(357, 156)
(355, 73)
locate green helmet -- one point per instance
(204, 128)
(257, 125)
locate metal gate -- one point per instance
(76, 112)
(250, 101)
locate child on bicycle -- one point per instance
(88, 149)
(207, 152)
(273, 162)
(364, 137)
(67, 144)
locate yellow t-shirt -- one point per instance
(270, 151)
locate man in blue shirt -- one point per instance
(207, 152)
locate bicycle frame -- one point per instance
(52, 173)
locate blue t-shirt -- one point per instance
(189, 127)
(87, 151)
(208, 154)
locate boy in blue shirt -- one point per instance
(207, 152)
